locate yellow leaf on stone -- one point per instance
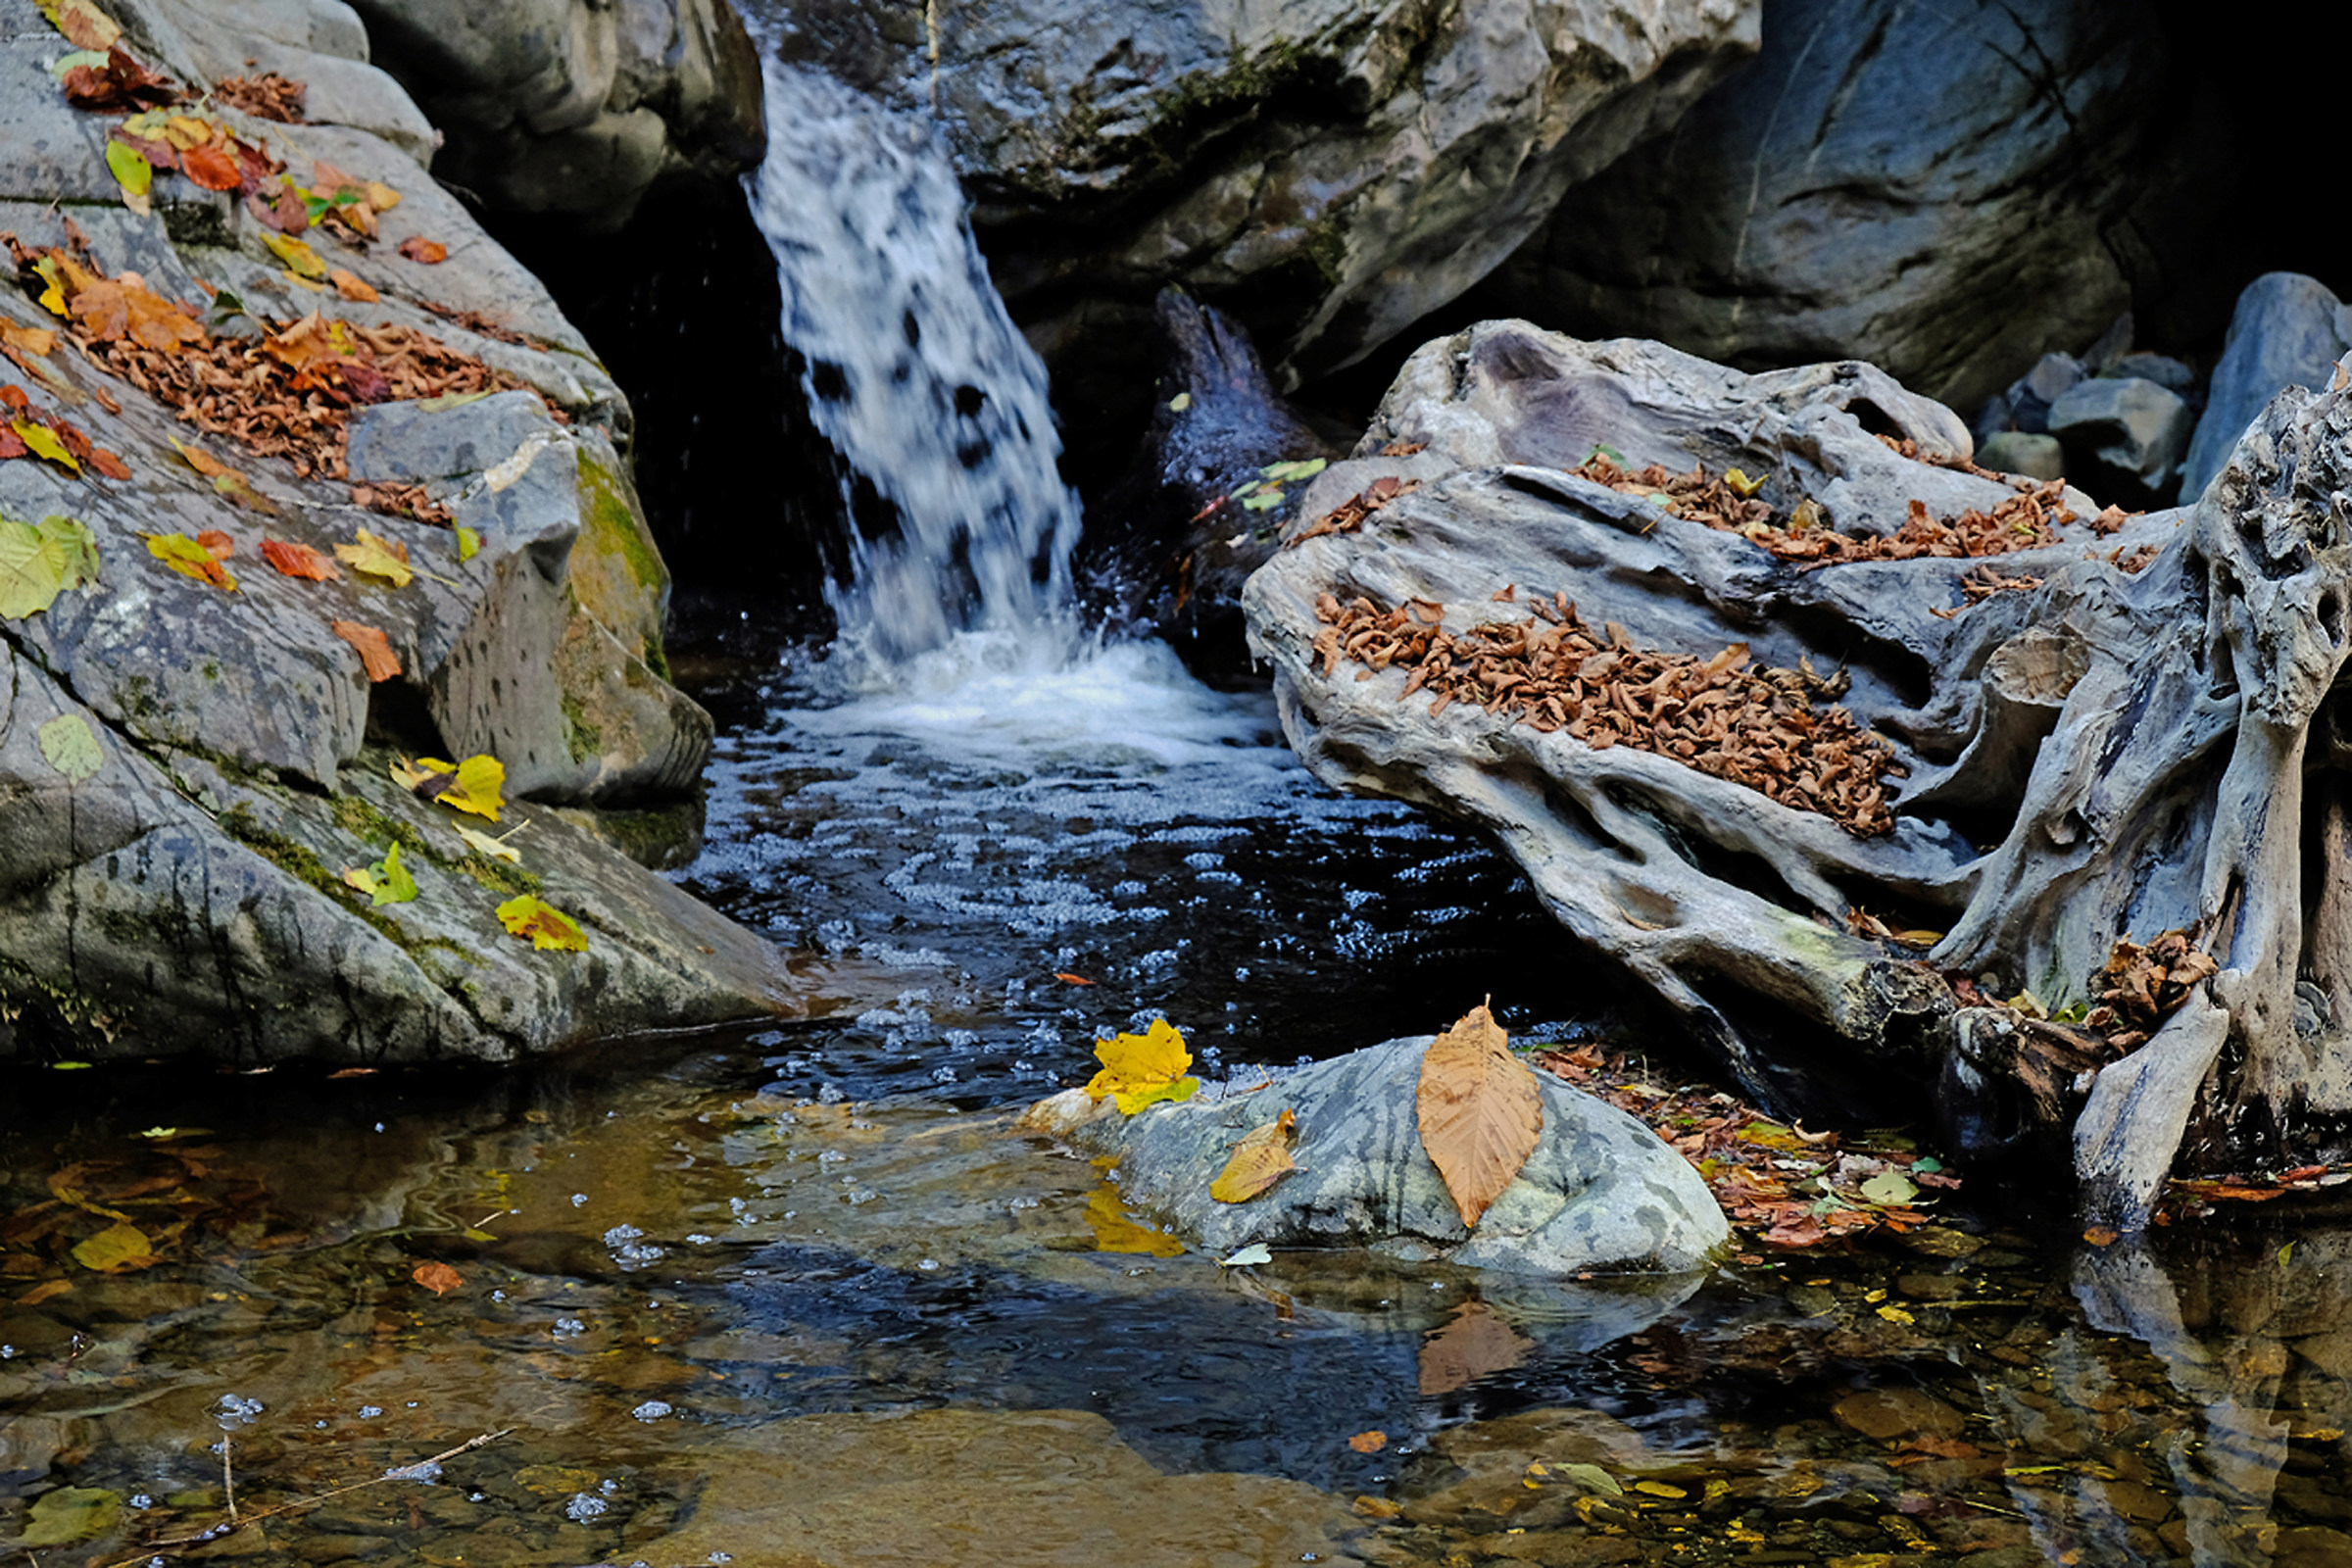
(1140, 1070)
(1896, 1315)
(43, 443)
(1259, 1160)
(373, 558)
(478, 789)
(483, 844)
(297, 254)
(547, 926)
(1741, 483)
(115, 1247)
(1659, 1488)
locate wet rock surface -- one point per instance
(183, 892)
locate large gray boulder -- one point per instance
(186, 772)
(1601, 1192)
(2126, 428)
(1330, 171)
(577, 107)
(2289, 330)
(1925, 187)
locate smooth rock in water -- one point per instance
(2136, 428)
(1330, 171)
(2038, 457)
(1922, 187)
(2289, 330)
(1602, 1192)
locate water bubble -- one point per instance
(140, 1500)
(650, 1410)
(961, 1038)
(368, 1413)
(8, 1352)
(859, 1195)
(621, 1235)
(608, 1486)
(943, 1075)
(928, 1263)
(699, 1239)
(567, 1326)
(498, 1296)
(721, 1556)
(831, 1156)
(830, 1094)
(582, 1507)
(577, 1198)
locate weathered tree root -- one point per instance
(2109, 755)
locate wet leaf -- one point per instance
(1115, 1232)
(300, 561)
(438, 1278)
(1368, 1442)
(428, 252)
(1069, 979)
(190, 559)
(68, 1514)
(1140, 1070)
(1248, 1256)
(526, 916)
(117, 1248)
(1591, 1477)
(1659, 1488)
(469, 544)
(1260, 1159)
(375, 650)
(45, 1291)
(1481, 1112)
(1890, 1188)
(480, 781)
(372, 557)
(300, 259)
(1372, 1508)
(1896, 1315)
(71, 747)
(1265, 500)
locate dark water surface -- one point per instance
(795, 1294)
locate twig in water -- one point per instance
(228, 1479)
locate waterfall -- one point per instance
(918, 378)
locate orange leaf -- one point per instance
(1368, 1442)
(218, 544)
(1260, 1159)
(438, 1278)
(300, 561)
(108, 464)
(1480, 1109)
(416, 248)
(211, 167)
(351, 286)
(375, 652)
(1071, 979)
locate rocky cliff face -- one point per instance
(258, 360)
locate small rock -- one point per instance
(2163, 369)
(1886, 1415)
(2130, 425)
(2038, 457)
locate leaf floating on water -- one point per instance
(1140, 1070)
(1481, 1112)
(1256, 1253)
(71, 747)
(1890, 1188)
(1369, 1441)
(68, 1514)
(1068, 979)
(1372, 1508)
(1115, 1232)
(115, 1248)
(548, 928)
(1260, 1159)
(438, 1278)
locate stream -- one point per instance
(798, 1294)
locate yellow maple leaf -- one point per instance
(1140, 1070)
(373, 558)
(473, 785)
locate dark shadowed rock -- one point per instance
(2128, 432)
(2289, 330)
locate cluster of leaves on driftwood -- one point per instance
(1753, 726)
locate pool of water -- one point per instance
(802, 1295)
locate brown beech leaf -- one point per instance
(429, 252)
(211, 167)
(1481, 1111)
(300, 561)
(374, 651)
(218, 544)
(438, 1278)
(1259, 1160)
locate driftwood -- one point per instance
(2121, 728)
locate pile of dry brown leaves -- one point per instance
(1756, 728)
(1349, 515)
(267, 96)
(2141, 987)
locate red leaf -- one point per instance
(211, 167)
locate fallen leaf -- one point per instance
(1592, 1478)
(212, 168)
(375, 650)
(84, 26)
(300, 259)
(39, 563)
(483, 844)
(1659, 1488)
(1890, 1187)
(115, 1248)
(27, 339)
(480, 781)
(1378, 1507)
(132, 172)
(429, 252)
(189, 559)
(1481, 1111)
(1248, 1256)
(45, 1291)
(526, 916)
(1368, 1442)
(69, 1514)
(1116, 1231)
(372, 557)
(1140, 1070)
(218, 544)
(469, 544)
(1069, 979)
(386, 881)
(42, 442)
(71, 747)
(352, 287)
(1260, 1159)
(300, 561)
(438, 1278)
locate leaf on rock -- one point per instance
(1260, 1159)
(372, 557)
(479, 783)
(352, 287)
(1248, 1256)
(43, 442)
(1140, 1070)
(300, 259)
(27, 339)
(84, 26)
(115, 1248)
(71, 747)
(372, 647)
(190, 559)
(526, 916)
(132, 172)
(1115, 1232)
(438, 1278)
(427, 251)
(483, 843)
(386, 881)
(221, 546)
(32, 571)
(109, 464)
(213, 168)
(300, 561)
(1481, 1112)
(469, 544)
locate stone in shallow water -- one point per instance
(1006, 1488)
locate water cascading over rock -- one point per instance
(915, 374)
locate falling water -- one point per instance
(920, 382)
